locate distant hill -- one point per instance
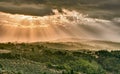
(81, 44)
(69, 40)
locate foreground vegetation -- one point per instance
(36, 58)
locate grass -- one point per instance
(36, 58)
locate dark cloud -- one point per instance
(32, 9)
(24, 1)
(44, 7)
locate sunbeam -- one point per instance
(65, 24)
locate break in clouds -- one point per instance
(47, 20)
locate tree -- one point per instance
(44, 73)
(72, 72)
(63, 72)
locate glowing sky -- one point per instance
(37, 21)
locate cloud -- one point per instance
(44, 7)
(106, 11)
(61, 25)
(32, 9)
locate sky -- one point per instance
(47, 20)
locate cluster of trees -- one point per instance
(64, 61)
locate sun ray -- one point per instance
(65, 24)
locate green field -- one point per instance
(56, 58)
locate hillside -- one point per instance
(78, 44)
(56, 58)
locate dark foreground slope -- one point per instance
(40, 58)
